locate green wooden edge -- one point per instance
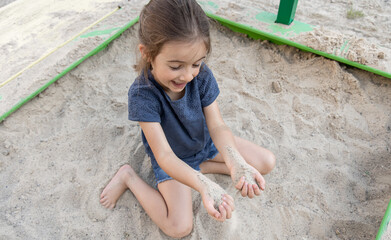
(258, 34)
(384, 223)
(72, 66)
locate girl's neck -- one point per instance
(175, 96)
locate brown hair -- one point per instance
(162, 21)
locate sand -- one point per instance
(34, 29)
(387, 234)
(329, 126)
(241, 168)
(214, 190)
(365, 39)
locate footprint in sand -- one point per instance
(95, 211)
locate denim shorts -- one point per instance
(162, 176)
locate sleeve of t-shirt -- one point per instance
(209, 89)
(143, 105)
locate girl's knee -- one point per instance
(267, 162)
(179, 229)
(270, 162)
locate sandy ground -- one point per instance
(387, 233)
(329, 126)
(359, 31)
(34, 29)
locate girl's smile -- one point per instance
(179, 85)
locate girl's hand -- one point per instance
(219, 212)
(216, 201)
(247, 180)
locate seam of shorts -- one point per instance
(163, 180)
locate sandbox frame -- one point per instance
(385, 222)
(236, 27)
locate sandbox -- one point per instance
(328, 124)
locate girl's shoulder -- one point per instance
(205, 76)
(143, 82)
(144, 101)
(143, 88)
(205, 71)
(207, 86)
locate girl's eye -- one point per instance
(175, 68)
(180, 66)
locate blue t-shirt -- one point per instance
(182, 120)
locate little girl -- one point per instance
(174, 101)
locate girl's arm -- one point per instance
(183, 173)
(245, 177)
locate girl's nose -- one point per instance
(187, 75)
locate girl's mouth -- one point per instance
(179, 85)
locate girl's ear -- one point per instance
(142, 50)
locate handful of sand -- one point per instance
(213, 190)
(241, 168)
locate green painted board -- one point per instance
(113, 34)
(385, 222)
(283, 34)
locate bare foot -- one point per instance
(116, 187)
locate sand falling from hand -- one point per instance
(213, 189)
(241, 167)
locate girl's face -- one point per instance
(177, 64)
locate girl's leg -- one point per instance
(171, 208)
(260, 158)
